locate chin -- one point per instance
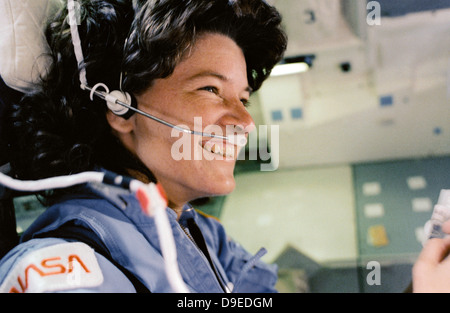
(221, 187)
(228, 188)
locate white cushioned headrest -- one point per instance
(23, 46)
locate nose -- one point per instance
(240, 118)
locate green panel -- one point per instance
(395, 196)
(27, 208)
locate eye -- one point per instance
(211, 89)
(245, 102)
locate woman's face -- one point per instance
(206, 92)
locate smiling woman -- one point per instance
(209, 83)
(158, 36)
(192, 63)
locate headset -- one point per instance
(123, 103)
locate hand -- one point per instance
(431, 272)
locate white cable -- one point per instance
(154, 205)
(76, 41)
(169, 251)
(157, 205)
(50, 183)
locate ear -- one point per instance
(119, 124)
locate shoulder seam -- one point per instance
(208, 215)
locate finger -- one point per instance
(446, 227)
(434, 251)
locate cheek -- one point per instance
(179, 158)
(151, 142)
(166, 152)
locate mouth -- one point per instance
(219, 147)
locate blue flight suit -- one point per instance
(45, 261)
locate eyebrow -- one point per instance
(217, 75)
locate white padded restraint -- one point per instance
(23, 46)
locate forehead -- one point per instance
(214, 55)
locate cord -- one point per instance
(151, 197)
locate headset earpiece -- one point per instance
(117, 108)
(111, 98)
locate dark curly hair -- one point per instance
(58, 130)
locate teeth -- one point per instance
(218, 149)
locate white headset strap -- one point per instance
(76, 41)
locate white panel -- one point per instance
(416, 182)
(310, 209)
(313, 25)
(373, 210)
(280, 93)
(343, 120)
(422, 204)
(371, 188)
